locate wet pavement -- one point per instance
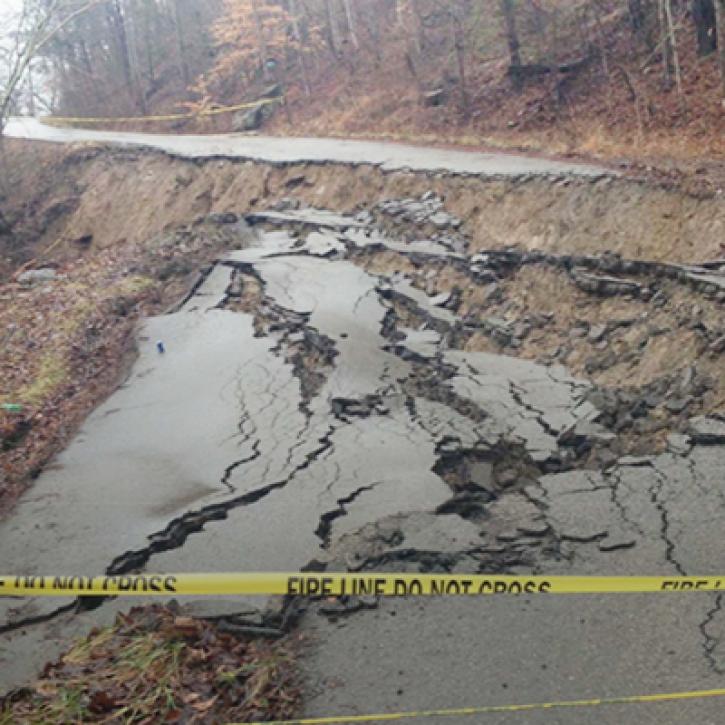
(308, 413)
(273, 150)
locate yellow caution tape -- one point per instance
(64, 120)
(491, 709)
(335, 585)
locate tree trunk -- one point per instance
(703, 15)
(293, 8)
(512, 37)
(181, 45)
(133, 54)
(261, 40)
(333, 30)
(665, 38)
(351, 24)
(31, 91)
(673, 45)
(459, 41)
(720, 17)
(636, 15)
(118, 25)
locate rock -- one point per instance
(606, 286)
(635, 461)
(507, 477)
(481, 474)
(639, 409)
(718, 345)
(85, 240)
(592, 365)
(679, 444)
(707, 430)
(493, 293)
(273, 91)
(5, 227)
(250, 631)
(597, 333)
(677, 405)
(287, 203)
(437, 97)
(465, 505)
(498, 329)
(223, 217)
(444, 220)
(522, 330)
(249, 120)
(221, 609)
(535, 529)
(508, 536)
(647, 426)
(254, 118)
(236, 287)
(584, 432)
(32, 277)
(364, 217)
(440, 300)
(606, 458)
(624, 421)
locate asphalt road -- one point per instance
(275, 150)
(308, 412)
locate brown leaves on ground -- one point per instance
(154, 666)
(61, 346)
(65, 343)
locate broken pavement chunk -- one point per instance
(707, 430)
(606, 286)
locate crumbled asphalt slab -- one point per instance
(309, 413)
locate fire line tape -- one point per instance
(335, 585)
(492, 709)
(63, 120)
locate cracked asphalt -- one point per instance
(309, 414)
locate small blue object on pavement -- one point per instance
(160, 347)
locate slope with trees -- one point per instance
(588, 75)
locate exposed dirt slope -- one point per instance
(129, 196)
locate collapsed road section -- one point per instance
(357, 393)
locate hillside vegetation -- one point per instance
(632, 78)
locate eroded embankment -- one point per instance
(129, 195)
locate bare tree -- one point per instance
(720, 23)
(36, 25)
(459, 43)
(703, 16)
(666, 43)
(351, 24)
(673, 44)
(512, 39)
(333, 29)
(299, 39)
(180, 35)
